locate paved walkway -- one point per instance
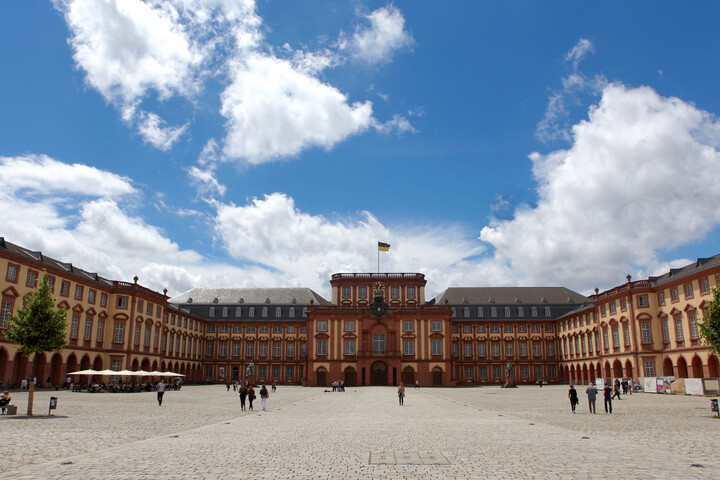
(464, 433)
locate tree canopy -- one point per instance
(38, 327)
(710, 325)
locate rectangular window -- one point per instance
(31, 277)
(493, 312)
(394, 292)
(140, 306)
(688, 291)
(521, 312)
(538, 372)
(78, 292)
(467, 328)
(74, 327)
(547, 311)
(6, 312)
(349, 347)
(277, 328)
(436, 347)
(222, 351)
(454, 349)
(236, 349)
(211, 328)
(408, 326)
(524, 373)
(290, 350)
(345, 292)
(642, 301)
(100, 327)
(606, 339)
(551, 371)
(362, 292)
(65, 288)
(223, 328)
(623, 304)
(251, 312)
(411, 292)
(211, 312)
(665, 332)
(535, 328)
(251, 329)
(661, 298)
(704, 287)
(537, 350)
(435, 326)
(237, 328)
(303, 350)
(551, 349)
(378, 343)
(603, 312)
(481, 350)
(508, 328)
(466, 312)
(276, 349)
(626, 334)
(122, 302)
(590, 343)
(12, 273)
(119, 333)
(263, 349)
(522, 347)
(262, 372)
(507, 312)
(533, 311)
(409, 347)
(693, 328)
(481, 329)
(674, 295)
(263, 328)
(679, 329)
(225, 312)
(238, 312)
(250, 349)
(645, 333)
(322, 347)
(208, 348)
(289, 373)
(480, 312)
(615, 337)
(146, 340)
(482, 373)
(208, 371)
(496, 373)
(322, 326)
(613, 308)
(509, 350)
(291, 329)
(548, 328)
(349, 326)
(275, 372)
(650, 368)
(495, 349)
(454, 313)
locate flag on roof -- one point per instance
(383, 247)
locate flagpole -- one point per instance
(378, 260)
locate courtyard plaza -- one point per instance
(440, 433)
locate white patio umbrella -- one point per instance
(126, 373)
(108, 372)
(172, 374)
(84, 372)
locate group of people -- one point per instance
(247, 393)
(608, 394)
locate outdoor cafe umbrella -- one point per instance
(84, 372)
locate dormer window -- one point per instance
(189, 300)
(293, 301)
(491, 300)
(242, 300)
(465, 301)
(543, 300)
(215, 300)
(267, 300)
(517, 300)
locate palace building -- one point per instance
(376, 329)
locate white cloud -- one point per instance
(579, 51)
(306, 249)
(378, 43)
(40, 175)
(156, 131)
(397, 124)
(274, 111)
(555, 124)
(640, 177)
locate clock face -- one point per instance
(379, 287)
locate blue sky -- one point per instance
(203, 142)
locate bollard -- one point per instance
(53, 404)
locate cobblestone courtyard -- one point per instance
(200, 432)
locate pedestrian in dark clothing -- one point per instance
(608, 398)
(243, 396)
(616, 389)
(251, 396)
(160, 391)
(624, 385)
(228, 386)
(572, 395)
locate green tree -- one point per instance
(38, 327)
(710, 325)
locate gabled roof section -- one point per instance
(250, 296)
(510, 295)
(675, 273)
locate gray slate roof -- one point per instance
(509, 296)
(248, 296)
(675, 273)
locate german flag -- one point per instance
(383, 247)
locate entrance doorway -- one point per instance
(437, 375)
(321, 377)
(408, 376)
(378, 374)
(349, 377)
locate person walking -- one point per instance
(572, 395)
(228, 385)
(264, 394)
(251, 395)
(160, 387)
(401, 393)
(616, 389)
(417, 384)
(243, 396)
(592, 395)
(608, 398)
